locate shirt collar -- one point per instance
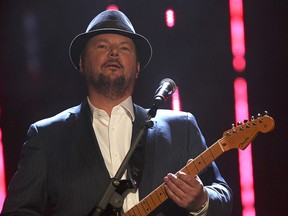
(127, 104)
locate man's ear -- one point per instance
(81, 65)
(138, 70)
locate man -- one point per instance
(69, 159)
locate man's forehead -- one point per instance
(112, 37)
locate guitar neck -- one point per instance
(158, 196)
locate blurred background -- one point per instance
(37, 79)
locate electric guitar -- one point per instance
(238, 137)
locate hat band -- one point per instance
(111, 25)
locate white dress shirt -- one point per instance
(114, 137)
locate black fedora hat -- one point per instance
(113, 22)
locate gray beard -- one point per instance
(113, 89)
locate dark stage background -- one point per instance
(196, 54)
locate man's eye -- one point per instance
(125, 48)
(101, 46)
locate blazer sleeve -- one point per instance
(27, 188)
(174, 139)
(220, 194)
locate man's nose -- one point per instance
(114, 52)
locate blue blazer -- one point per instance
(62, 169)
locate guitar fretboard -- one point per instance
(158, 196)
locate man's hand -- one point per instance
(186, 191)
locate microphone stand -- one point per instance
(110, 196)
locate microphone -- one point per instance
(167, 87)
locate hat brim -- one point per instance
(144, 49)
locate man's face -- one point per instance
(109, 64)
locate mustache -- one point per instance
(113, 61)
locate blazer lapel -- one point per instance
(137, 161)
(147, 146)
(87, 144)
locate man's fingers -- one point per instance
(175, 184)
(174, 191)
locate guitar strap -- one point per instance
(137, 162)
